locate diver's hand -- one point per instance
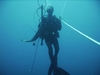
(23, 40)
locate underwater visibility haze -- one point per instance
(78, 54)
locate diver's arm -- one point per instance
(37, 34)
(60, 25)
(33, 39)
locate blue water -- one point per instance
(78, 55)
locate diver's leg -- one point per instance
(56, 46)
(50, 69)
(50, 52)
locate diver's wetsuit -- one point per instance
(50, 34)
(52, 40)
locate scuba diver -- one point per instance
(48, 30)
(51, 35)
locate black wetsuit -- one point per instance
(50, 34)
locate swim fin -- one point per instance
(61, 71)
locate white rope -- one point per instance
(98, 43)
(63, 8)
(93, 40)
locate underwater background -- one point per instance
(78, 55)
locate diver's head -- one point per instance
(50, 10)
